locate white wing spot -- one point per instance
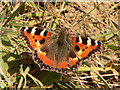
(89, 41)
(96, 42)
(33, 30)
(26, 28)
(42, 33)
(80, 39)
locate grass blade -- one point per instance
(54, 25)
(14, 14)
(87, 14)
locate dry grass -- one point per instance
(97, 20)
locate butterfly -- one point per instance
(57, 51)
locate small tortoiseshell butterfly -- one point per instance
(56, 52)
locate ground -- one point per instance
(94, 19)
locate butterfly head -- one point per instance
(62, 36)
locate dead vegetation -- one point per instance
(93, 19)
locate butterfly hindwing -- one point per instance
(46, 58)
(74, 61)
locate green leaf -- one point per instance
(48, 78)
(5, 41)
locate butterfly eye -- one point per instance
(35, 56)
(36, 60)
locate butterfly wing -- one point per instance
(34, 37)
(46, 52)
(85, 46)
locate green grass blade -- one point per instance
(53, 14)
(36, 80)
(105, 34)
(20, 82)
(113, 26)
(3, 16)
(116, 5)
(115, 48)
(54, 25)
(100, 77)
(14, 14)
(93, 69)
(87, 14)
(35, 7)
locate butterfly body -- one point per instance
(55, 52)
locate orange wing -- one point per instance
(34, 37)
(84, 47)
(46, 63)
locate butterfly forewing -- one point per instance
(34, 37)
(84, 46)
